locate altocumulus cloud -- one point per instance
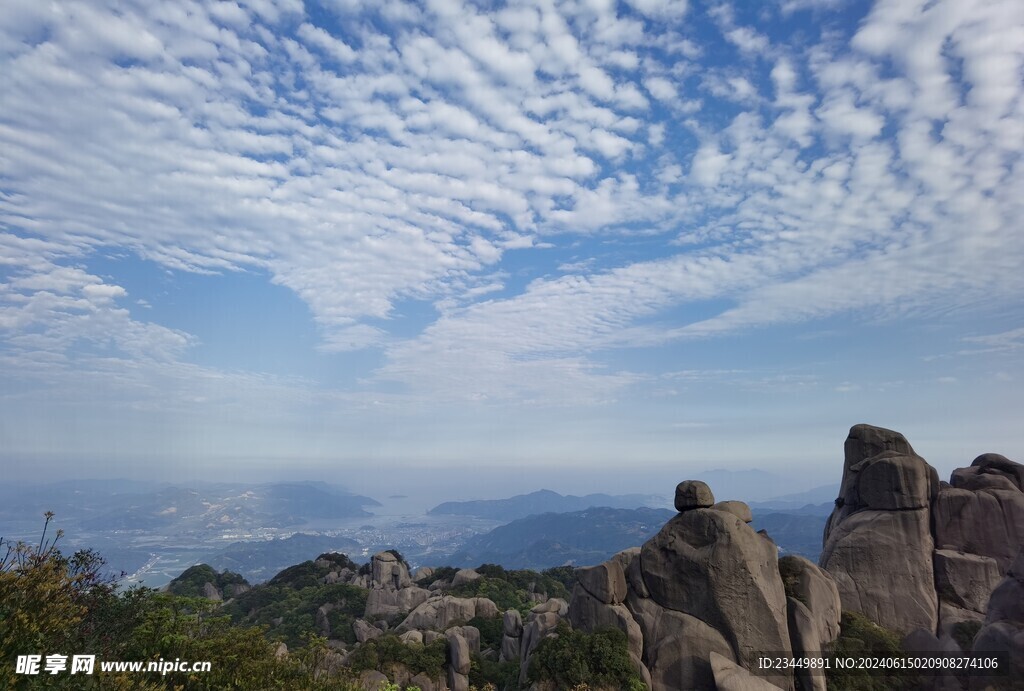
(790, 165)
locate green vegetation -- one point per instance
(498, 675)
(51, 604)
(574, 658)
(491, 631)
(191, 582)
(446, 573)
(789, 570)
(511, 589)
(384, 653)
(289, 614)
(858, 637)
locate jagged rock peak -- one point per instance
(865, 441)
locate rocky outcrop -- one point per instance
(910, 552)
(511, 636)
(705, 584)
(988, 522)
(540, 623)
(387, 602)
(210, 592)
(387, 570)
(365, 631)
(882, 565)
(439, 613)
(463, 576)
(713, 566)
(459, 662)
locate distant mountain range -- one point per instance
(542, 501)
(822, 497)
(579, 538)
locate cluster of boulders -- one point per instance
(911, 552)
(930, 559)
(703, 598)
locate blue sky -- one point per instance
(655, 234)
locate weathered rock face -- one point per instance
(988, 522)
(538, 626)
(803, 632)
(713, 566)
(511, 636)
(606, 582)
(387, 570)
(210, 592)
(909, 552)
(388, 602)
(966, 580)
(863, 442)
(365, 631)
(677, 646)
(817, 590)
(438, 613)
(882, 565)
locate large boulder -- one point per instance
(606, 582)
(470, 634)
(713, 566)
(387, 570)
(463, 576)
(438, 613)
(882, 565)
(365, 631)
(997, 464)
(891, 482)
(387, 601)
(988, 522)
(511, 636)
(458, 652)
(693, 494)
(965, 580)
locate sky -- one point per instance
(587, 239)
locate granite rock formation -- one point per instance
(706, 585)
(910, 552)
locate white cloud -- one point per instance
(367, 168)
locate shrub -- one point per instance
(387, 650)
(572, 658)
(859, 636)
